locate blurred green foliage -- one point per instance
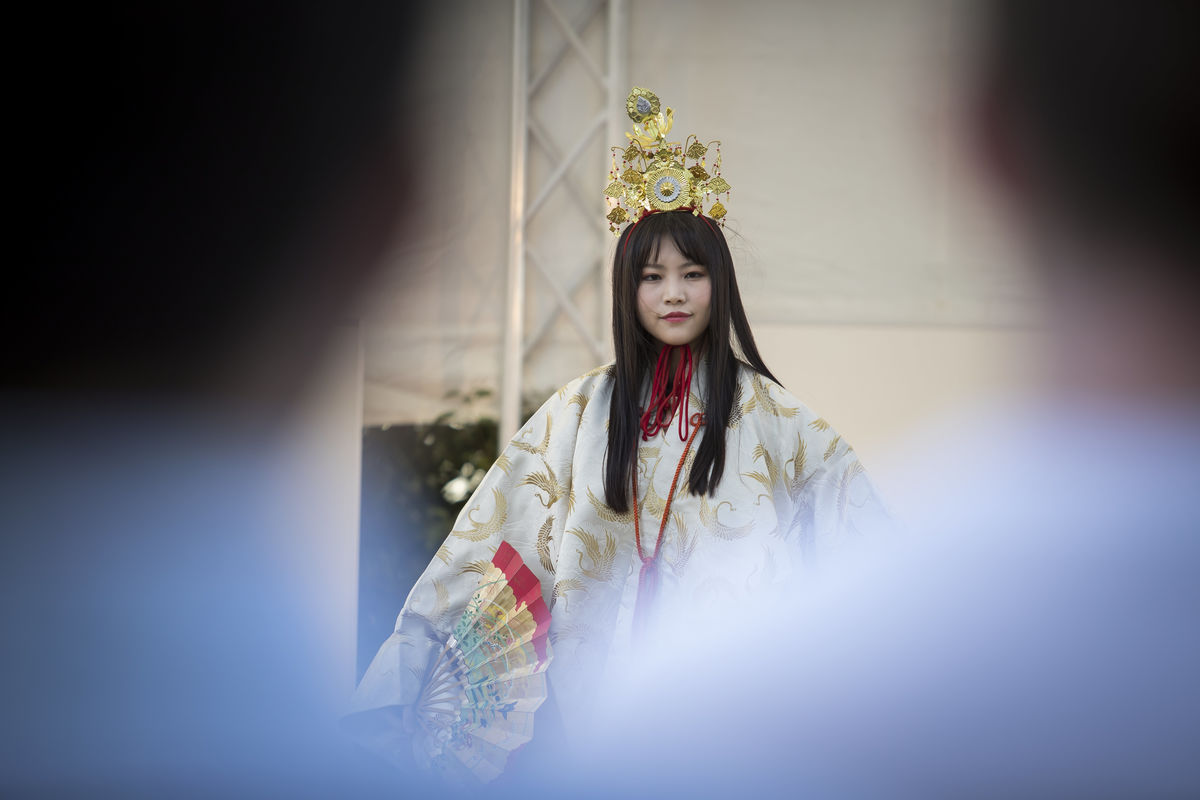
(405, 514)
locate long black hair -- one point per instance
(728, 343)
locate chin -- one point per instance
(679, 338)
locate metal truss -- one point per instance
(519, 341)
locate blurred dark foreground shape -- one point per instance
(203, 190)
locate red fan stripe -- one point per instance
(541, 615)
(527, 589)
(507, 560)
(525, 585)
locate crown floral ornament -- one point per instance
(654, 174)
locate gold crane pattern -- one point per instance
(542, 447)
(801, 478)
(579, 399)
(843, 493)
(736, 413)
(761, 399)
(600, 558)
(832, 449)
(479, 531)
(563, 588)
(687, 544)
(770, 478)
(709, 520)
(606, 514)
(547, 482)
(477, 567)
(441, 606)
(544, 537)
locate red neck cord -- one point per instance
(648, 576)
(697, 420)
(670, 392)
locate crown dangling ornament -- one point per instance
(654, 175)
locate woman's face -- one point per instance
(673, 296)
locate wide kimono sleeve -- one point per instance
(837, 506)
(523, 499)
(845, 509)
(824, 500)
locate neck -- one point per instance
(674, 354)
(698, 346)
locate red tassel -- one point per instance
(648, 580)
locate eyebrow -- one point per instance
(684, 264)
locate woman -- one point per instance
(737, 485)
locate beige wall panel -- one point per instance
(878, 384)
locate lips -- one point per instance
(677, 316)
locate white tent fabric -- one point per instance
(849, 206)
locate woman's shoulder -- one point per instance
(763, 399)
(578, 392)
(589, 382)
(559, 419)
(768, 412)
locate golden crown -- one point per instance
(654, 175)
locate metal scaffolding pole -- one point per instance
(618, 87)
(524, 125)
(514, 319)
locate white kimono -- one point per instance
(792, 489)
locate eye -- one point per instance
(696, 273)
(651, 276)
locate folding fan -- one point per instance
(481, 691)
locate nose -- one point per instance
(673, 291)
